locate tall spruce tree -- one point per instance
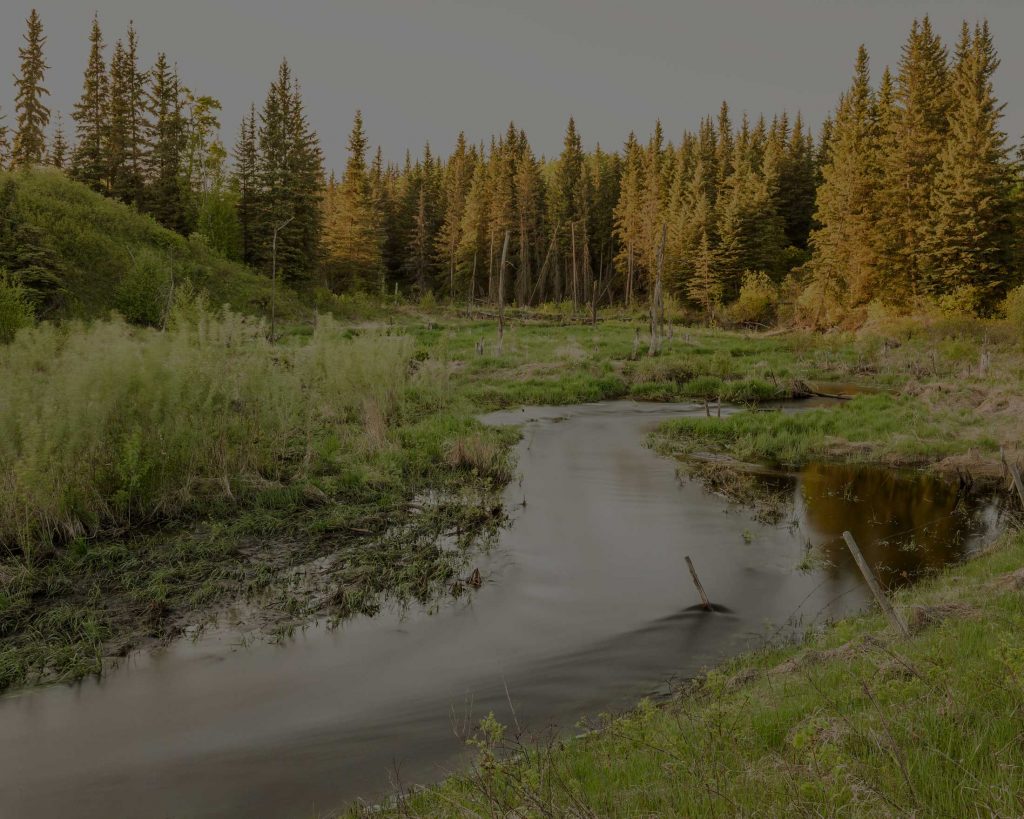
(88, 163)
(166, 197)
(845, 262)
(125, 142)
(972, 232)
(353, 236)
(246, 158)
(457, 180)
(910, 159)
(32, 114)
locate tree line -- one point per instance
(909, 191)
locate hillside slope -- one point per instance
(84, 255)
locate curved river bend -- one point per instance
(587, 607)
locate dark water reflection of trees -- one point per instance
(905, 523)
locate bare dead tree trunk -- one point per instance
(629, 277)
(523, 276)
(656, 310)
(490, 270)
(501, 293)
(575, 291)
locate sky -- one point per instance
(422, 70)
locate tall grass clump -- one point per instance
(104, 427)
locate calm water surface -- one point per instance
(586, 607)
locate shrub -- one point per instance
(962, 301)
(757, 302)
(15, 308)
(142, 297)
(1013, 308)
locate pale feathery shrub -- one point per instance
(106, 426)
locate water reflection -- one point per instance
(906, 523)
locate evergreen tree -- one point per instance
(88, 163)
(845, 262)
(246, 158)
(353, 238)
(970, 243)
(629, 218)
(58, 154)
(457, 179)
(797, 185)
(916, 134)
(5, 145)
(32, 115)
(125, 142)
(166, 197)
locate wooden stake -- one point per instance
(696, 582)
(1014, 475)
(869, 577)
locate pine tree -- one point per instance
(910, 158)
(165, 198)
(58, 155)
(125, 133)
(247, 183)
(88, 163)
(797, 185)
(353, 238)
(845, 262)
(628, 217)
(458, 177)
(32, 115)
(475, 227)
(972, 232)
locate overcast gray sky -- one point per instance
(424, 69)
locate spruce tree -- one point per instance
(972, 232)
(165, 198)
(5, 145)
(247, 183)
(845, 263)
(457, 179)
(473, 246)
(32, 115)
(353, 239)
(88, 163)
(628, 218)
(910, 159)
(125, 132)
(58, 155)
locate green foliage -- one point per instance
(144, 293)
(15, 307)
(757, 302)
(77, 247)
(1013, 309)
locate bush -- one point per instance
(1013, 309)
(757, 302)
(15, 308)
(142, 297)
(963, 301)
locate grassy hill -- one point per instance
(84, 255)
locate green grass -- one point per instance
(867, 428)
(853, 722)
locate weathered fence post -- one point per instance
(869, 577)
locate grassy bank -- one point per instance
(150, 479)
(852, 722)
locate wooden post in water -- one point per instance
(869, 577)
(696, 582)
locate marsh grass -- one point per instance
(105, 427)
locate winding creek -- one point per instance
(586, 606)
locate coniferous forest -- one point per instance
(909, 191)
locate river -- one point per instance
(587, 605)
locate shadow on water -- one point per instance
(587, 604)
